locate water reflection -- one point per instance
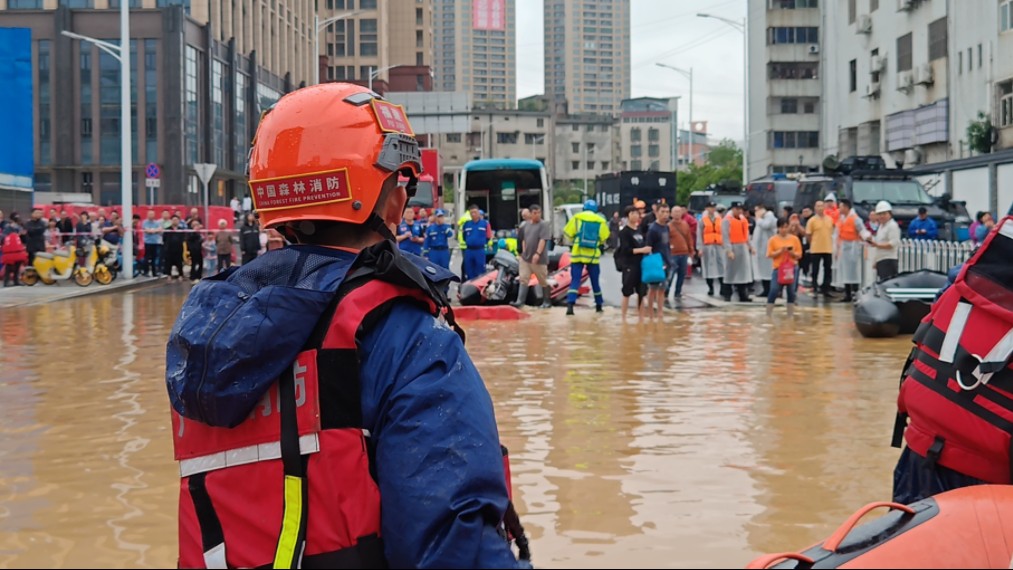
(699, 441)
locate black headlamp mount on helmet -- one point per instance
(399, 149)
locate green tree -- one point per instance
(724, 164)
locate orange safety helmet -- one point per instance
(324, 152)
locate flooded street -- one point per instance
(698, 442)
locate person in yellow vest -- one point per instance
(588, 232)
(738, 250)
(712, 254)
(849, 249)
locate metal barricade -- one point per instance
(915, 255)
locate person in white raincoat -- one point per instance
(766, 227)
(849, 250)
(712, 253)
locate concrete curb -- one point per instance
(62, 292)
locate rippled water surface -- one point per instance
(700, 441)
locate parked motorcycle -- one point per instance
(52, 267)
(108, 265)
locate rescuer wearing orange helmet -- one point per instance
(326, 413)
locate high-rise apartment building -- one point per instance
(410, 27)
(785, 90)
(476, 50)
(356, 47)
(587, 54)
(204, 70)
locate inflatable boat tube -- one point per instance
(970, 527)
(897, 305)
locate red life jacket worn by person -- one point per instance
(13, 249)
(956, 395)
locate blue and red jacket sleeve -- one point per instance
(438, 460)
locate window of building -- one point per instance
(453, 137)
(540, 123)
(792, 4)
(809, 108)
(853, 75)
(1005, 92)
(218, 112)
(793, 35)
(418, 17)
(78, 4)
(574, 165)
(960, 63)
(653, 151)
(45, 134)
(970, 59)
(151, 100)
(937, 39)
(636, 165)
(794, 70)
(242, 136)
(574, 128)
(636, 151)
(590, 165)
(365, 5)
(794, 139)
(875, 74)
(86, 99)
(575, 147)
(419, 59)
(653, 135)
(851, 11)
(873, 5)
(166, 3)
(1005, 15)
(191, 105)
(904, 62)
(87, 179)
(979, 57)
(789, 106)
(635, 135)
(131, 4)
(418, 38)
(506, 138)
(24, 4)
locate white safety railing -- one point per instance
(932, 255)
(922, 254)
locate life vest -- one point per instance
(13, 250)
(738, 230)
(711, 230)
(846, 230)
(291, 486)
(956, 395)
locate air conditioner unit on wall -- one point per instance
(877, 64)
(923, 74)
(814, 48)
(872, 89)
(905, 81)
(906, 5)
(864, 24)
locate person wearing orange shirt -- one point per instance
(782, 248)
(830, 207)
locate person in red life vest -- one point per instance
(955, 406)
(325, 411)
(14, 255)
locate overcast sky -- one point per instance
(670, 32)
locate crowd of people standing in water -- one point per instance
(743, 254)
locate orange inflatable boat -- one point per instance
(970, 527)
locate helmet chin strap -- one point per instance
(378, 225)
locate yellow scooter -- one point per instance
(52, 267)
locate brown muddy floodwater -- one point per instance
(698, 442)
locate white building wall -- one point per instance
(972, 27)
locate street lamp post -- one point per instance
(689, 75)
(318, 26)
(375, 74)
(122, 54)
(744, 29)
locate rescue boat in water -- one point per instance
(476, 291)
(971, 527)
(897, 305)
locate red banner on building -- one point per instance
(488, 15)
(307, 190)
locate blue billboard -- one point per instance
(17, 145)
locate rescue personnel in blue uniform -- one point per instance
(588, 232)
(438, 238)
(476, 233)
(410, 234)
(342, 353)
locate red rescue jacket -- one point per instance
(13, 250)
(956, 396)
